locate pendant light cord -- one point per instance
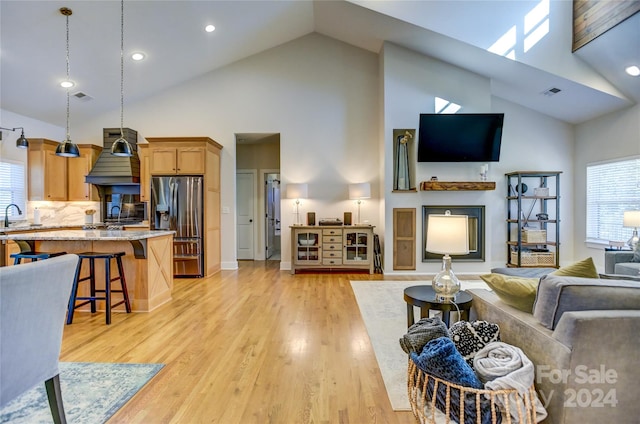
(121, 69)
(67, 14)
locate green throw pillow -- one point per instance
(519, 292)
(584, 268)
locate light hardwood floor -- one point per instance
(257, 345)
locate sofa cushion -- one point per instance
(519, 292)
(557, 294)
(584, 268)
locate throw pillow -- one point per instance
(519, 292)
(470, 337)
(584, 268)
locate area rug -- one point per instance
(91, 393)
(384, 312)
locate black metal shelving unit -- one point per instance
(537, 193)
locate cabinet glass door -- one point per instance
(356, 246)
(308, 247)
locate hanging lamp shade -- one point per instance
(121, 147)
(67, 149)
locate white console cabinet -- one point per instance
(332, 247)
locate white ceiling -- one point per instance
(170, 33)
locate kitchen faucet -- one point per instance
(111, 211)
(6, 213)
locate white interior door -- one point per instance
(245, 219)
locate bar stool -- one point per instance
(92, 256)
(34, 256)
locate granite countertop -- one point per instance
(26, 226)
(87, 235)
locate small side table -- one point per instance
(425, 298)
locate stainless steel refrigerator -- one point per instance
(177, 204)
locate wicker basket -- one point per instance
(509, 403)
(534, 236)
(528, 258)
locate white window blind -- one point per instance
(12, 188)
(612, 188)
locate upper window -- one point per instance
(12, 188)
(612, 188)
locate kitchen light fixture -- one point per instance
(631, 219)
(22, 142)
(137, 56)
(121, 146)
(297, 191)
(358, 192)
(67, 84)
(210, 28)
(67, 148)
(449, 235)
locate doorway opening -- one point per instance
(258, 196)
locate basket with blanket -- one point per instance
(466, 375)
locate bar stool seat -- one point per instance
(34, 256)
(93, 298)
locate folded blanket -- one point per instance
(440, 358)
(502, 366)
(470, 337)
(422, 332)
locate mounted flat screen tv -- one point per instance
(465, 137)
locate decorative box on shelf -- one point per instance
(534, 235)
(531, 258)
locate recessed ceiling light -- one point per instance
(210, 28)
(634, 71)
(137, 56)
(67, 84)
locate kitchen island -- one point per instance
(147, 262)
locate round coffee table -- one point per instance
(425, 298)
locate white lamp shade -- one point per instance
(448, 234)
(360, 191)
(631, 219)
(297, 191)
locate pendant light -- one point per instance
(121, 146)
(67, 148)
(22, 142)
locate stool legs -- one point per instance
(108, 291)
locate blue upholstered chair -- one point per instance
(33, 303)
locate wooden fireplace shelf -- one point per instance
(457, 186)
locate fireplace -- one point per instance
(476, 232)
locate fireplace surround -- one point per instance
(476, 231)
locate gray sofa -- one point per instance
(586, 366)
(619, 262)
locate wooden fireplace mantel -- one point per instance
(457, 186)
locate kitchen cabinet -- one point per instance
(47, 173)
(57, 178)
(191, 156)
(77, 170)
(185, 159)
(332, 247)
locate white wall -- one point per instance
(612, 136)
(531, 142)
(32, 129)
(320, 94)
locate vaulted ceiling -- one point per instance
(177, 49)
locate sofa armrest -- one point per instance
(611, 258)
(603, 344)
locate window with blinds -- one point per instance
(12, 188)
(612, 188)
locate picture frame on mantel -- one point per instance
(404, 160)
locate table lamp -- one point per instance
(449, 235)
(297, 192)
(358, 192)
(631, 219)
